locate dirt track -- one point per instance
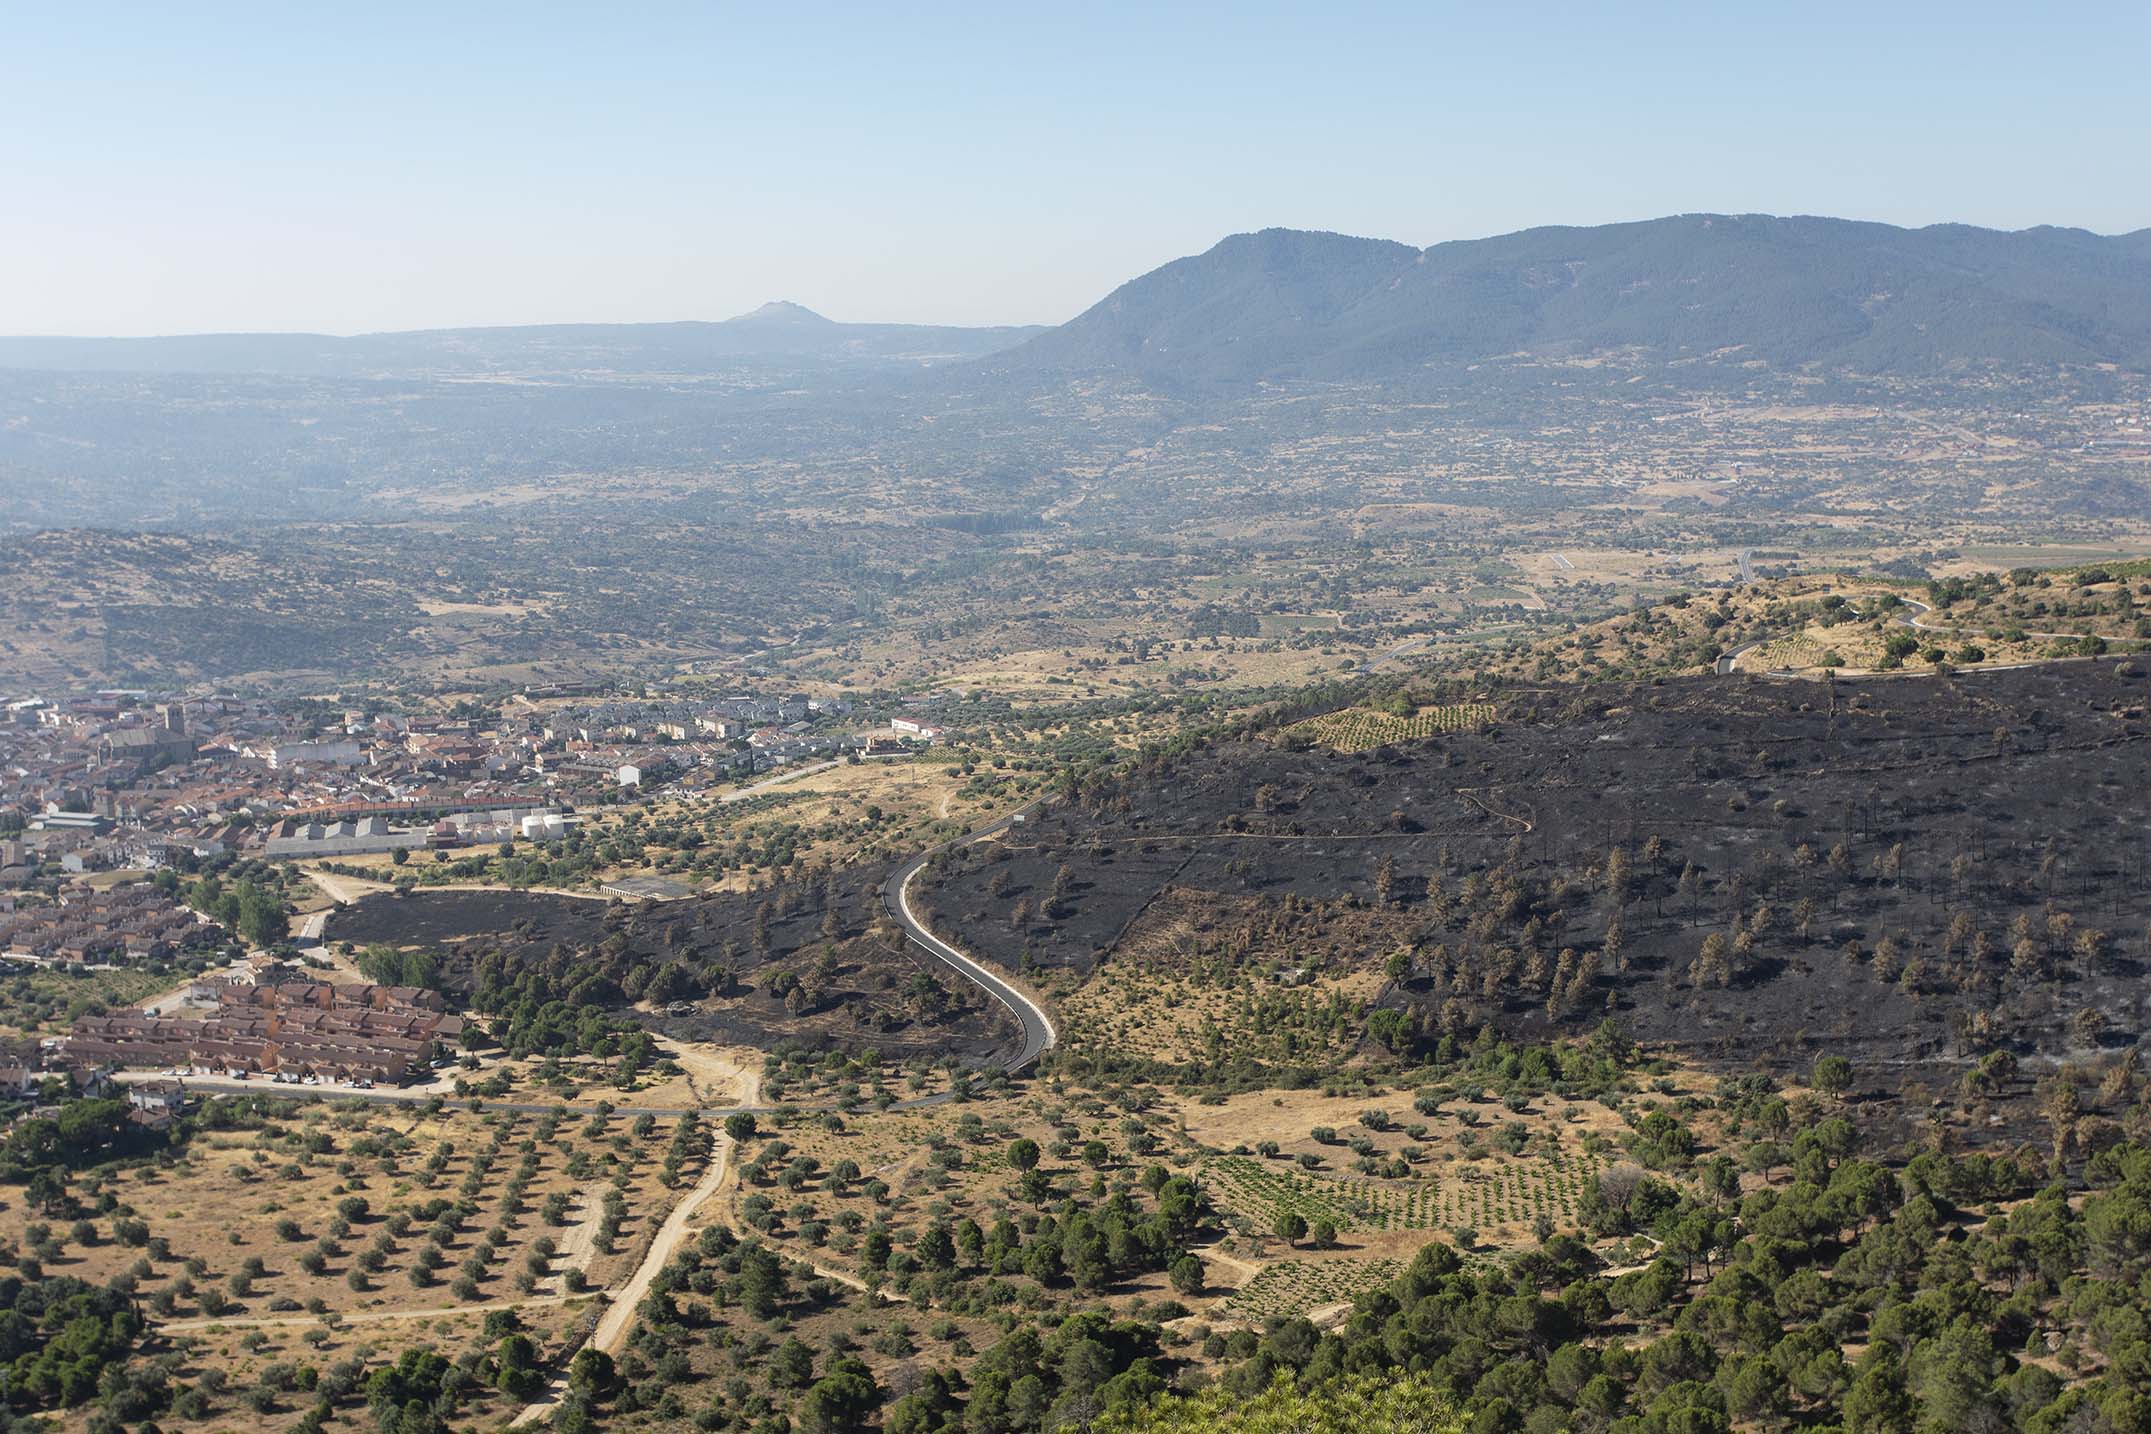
(619, 1316)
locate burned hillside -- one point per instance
(808, 961)
(1910, 872)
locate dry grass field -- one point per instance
(1167, 1015)
(1387, 1178)
(257, 1377)
(372, 1213)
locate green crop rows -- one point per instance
(1514, 1192)
(1357, 729)
(1479, 1194)
(1293, 1287)
(1262, 1194)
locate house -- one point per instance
(355, 1032)
(22, 1073)
(918, 728)
(157, 1102)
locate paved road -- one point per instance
(1727, 662)
(1401, 650)
(262, 1085)
(1747, 565)
(1038, 1033)
(769, 784)
(1918, 624)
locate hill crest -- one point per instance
(1282, 304)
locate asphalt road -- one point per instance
(1725, 663)
(1038, 1033)
(1401, 650)
(1917, 624)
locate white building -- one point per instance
(324, 754)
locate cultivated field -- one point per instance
(371, 1212)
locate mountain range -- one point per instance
(778, 332)
(1284, 305)
(1288, 304)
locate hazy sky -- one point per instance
(174, 168)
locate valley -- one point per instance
(1508, 821)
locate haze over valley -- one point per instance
(952, 829)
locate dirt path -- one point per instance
(619, 1317)
(579, 1239)
(847, 1278)
(1245, 1269)
(779, 780)
(179, 1326)
(718, 1075)
(341, 888)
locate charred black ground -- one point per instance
(806, 962)
(1909, 872)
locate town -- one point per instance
(135, 781)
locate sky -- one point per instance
(353, 168)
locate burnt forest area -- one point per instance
(807, 962)
(1911, 873)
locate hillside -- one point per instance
(1286, 304)
(1848, 841)
(773, 331)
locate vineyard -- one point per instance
(1247, 1188)
(1847, 646)
(1787, 654)
(1361, 729)
(1482, 1196)
(1293, 1287)
(1515, 1192)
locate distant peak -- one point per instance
(781, 311)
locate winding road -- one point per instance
(1916, 623)
(623, 1303)
(1039, 1034)
(1728, 663)
(1401, 650)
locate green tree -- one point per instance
(590, 1373)
(1832, 1076)
(516, 1367)
(841, 1401)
